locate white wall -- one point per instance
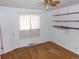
(8, 31)
(10, 25)
(66, 38)
(0, 43)
(43, 28)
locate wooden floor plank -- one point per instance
(48, 50)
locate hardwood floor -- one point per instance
(48, 50)
(0, 57)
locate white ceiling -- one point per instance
(34, 4)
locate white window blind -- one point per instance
(29, 25)
(28, 22)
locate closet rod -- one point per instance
(65, 27)
(66, 14)
(66, 21)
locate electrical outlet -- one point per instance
(32, 44)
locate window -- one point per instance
(29, 25)
(24, 22)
